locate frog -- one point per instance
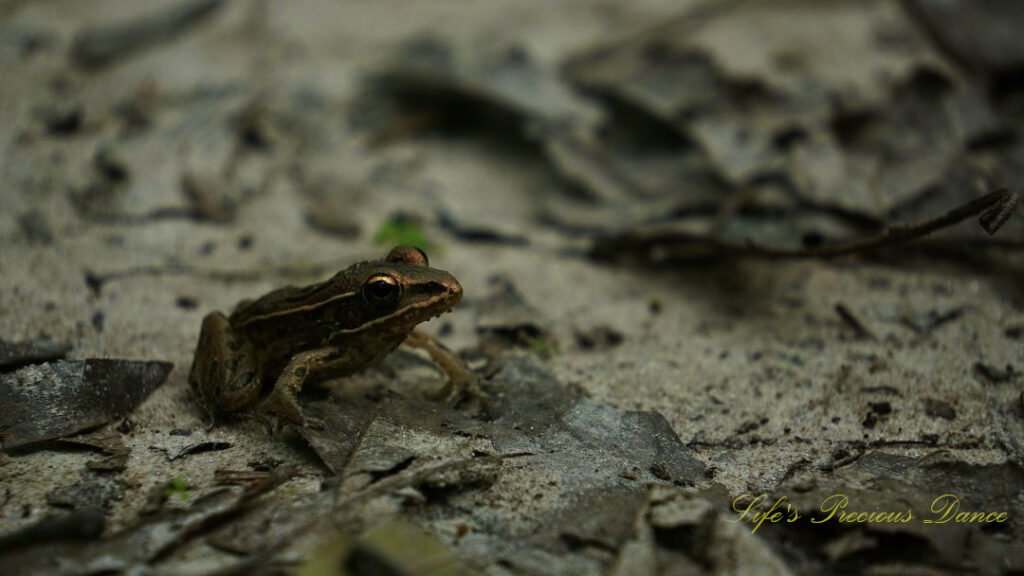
(267, 349)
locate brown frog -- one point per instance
(269, 347)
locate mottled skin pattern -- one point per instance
(271, 346)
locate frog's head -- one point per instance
(402, 290)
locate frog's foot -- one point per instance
(462, 384)
(284, 405)
(208, 418)
(284, 399)
(465, 394)
(288, 409)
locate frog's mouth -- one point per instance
(424, 302)
(431, 305)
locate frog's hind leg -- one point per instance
(225, 371)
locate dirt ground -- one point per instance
(633, 196)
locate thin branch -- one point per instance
(994, 209)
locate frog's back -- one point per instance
(273, 303)
(292, 319)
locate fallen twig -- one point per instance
(993, 209)
(854, 322)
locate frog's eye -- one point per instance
(382, 290)
(407, 255)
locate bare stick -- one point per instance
(994, 209)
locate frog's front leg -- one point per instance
(225, 371)
(461, 384)
(283, 400)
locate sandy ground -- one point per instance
(748, 361)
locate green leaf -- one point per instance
(398, 230)
(177, 486)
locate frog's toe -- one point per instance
(466, 394)
(207, 414)
(209, 421)
(480, 403)
(284, 406)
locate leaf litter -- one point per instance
(55, 399)
(687, 143)
(768, 129)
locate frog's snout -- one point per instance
(450, 295)
(454, 291)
